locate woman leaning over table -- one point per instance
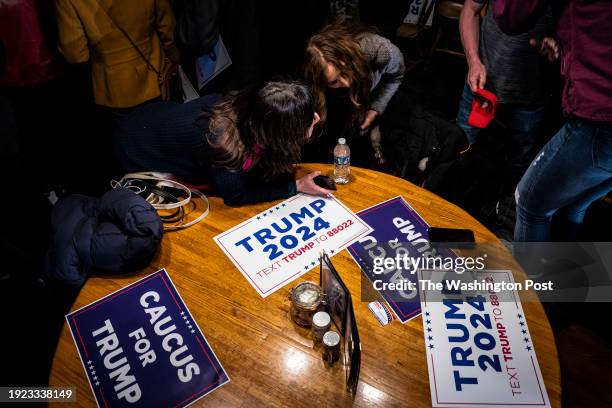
(354, 73)
(245, 144)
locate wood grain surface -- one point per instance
(271, 361)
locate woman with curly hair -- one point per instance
(245, 144)
(346, 56)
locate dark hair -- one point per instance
(337, 43)
(267, 124)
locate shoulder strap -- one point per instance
(125, 34)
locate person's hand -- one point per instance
(477, 75)
(548, 47)
(306, 185)
(369, 118)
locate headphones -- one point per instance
(161, 199)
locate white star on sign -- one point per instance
(182, 313)
(193, 331)
(97, 383)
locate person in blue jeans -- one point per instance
(514, 71)
(575, 167)
(570, 172)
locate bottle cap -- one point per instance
(321, 319)
(342, 141)
(331, 339)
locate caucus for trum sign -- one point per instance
(398, 230)
(282, 243)
(479, 349)
(141, 347)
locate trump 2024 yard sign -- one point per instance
(282, 243)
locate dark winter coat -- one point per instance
(116, 233)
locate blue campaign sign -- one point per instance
(399, 233)
(140, 347)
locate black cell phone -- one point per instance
(463, 237)
(325, 182)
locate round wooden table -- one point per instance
(270, 361)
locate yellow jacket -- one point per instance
(121, 78)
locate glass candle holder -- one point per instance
(306, 298)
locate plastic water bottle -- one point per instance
(342, 162)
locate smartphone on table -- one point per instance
(451, 237)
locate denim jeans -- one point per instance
(570, 172)
(523, 123)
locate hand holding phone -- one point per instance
(325, 182)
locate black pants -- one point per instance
(339, 124)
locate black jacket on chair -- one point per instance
(411, 133)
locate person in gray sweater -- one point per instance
(353, 73)
(346, 55)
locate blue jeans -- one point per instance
(570, 172)
(523, 123)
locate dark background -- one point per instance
(63, 145)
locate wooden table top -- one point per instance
(271, 361)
